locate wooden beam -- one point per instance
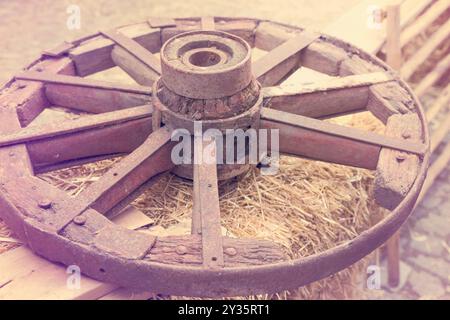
(393, 29)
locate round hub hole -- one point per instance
(204, 58)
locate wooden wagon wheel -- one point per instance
(76, 231)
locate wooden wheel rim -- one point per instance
(100, 257)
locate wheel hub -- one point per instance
(207, 77)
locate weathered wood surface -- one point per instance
(136, 69)
(70, 126)
(133, 58)
(87, 146)
(326, 97)
(385, 99)
(240, 27)
(28, 97)
(282, 60)
(94, 55)
(247, 251)
(21, 268)
(206, 196)
(148, 160)
(320, 55)
(397, 171)
(87, 94)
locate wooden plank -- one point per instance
(39, 132)
(44, 280)
(324, 98)
(94, 55)
(394, 59)
(397, 171)
(207, 198)
(432, 77)
(426, 50)
(424, 21)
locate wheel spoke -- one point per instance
(133, 58)
(149, 160)
(43, 131)
(324, 98)
(87, 94)
(206, 211)
(329, 142)
(276, 65)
